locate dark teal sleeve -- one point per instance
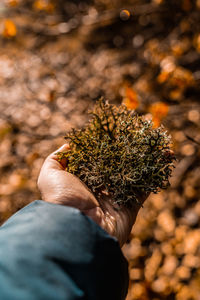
(54, 252)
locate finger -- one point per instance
(142, 197)
(63, 148)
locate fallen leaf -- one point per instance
(131, 100)
(9, 29)
(12, 3)
(163, 76)
(44, 5)
(182, 78)
(159, 110)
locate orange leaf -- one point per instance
(45, 5)
(176, 94)
(9, 29)
(12, 3)
(182, 78)
(131, 100)
(156, 122)
(163, 76)
(159, 110)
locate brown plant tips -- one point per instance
(121, 153)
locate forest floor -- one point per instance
(54, 66)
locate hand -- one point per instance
(61, 187)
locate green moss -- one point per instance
(121, 153)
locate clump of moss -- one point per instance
(121, 153)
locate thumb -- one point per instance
(52, 160)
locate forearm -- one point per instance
(50, 251)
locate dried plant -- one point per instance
(121, 153)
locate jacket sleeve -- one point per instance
(54, 252)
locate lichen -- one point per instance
(121, 153)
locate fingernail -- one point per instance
(65, 146)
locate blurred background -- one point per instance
(56, 59)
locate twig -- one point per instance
(191, 139)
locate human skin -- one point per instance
(61, 187)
